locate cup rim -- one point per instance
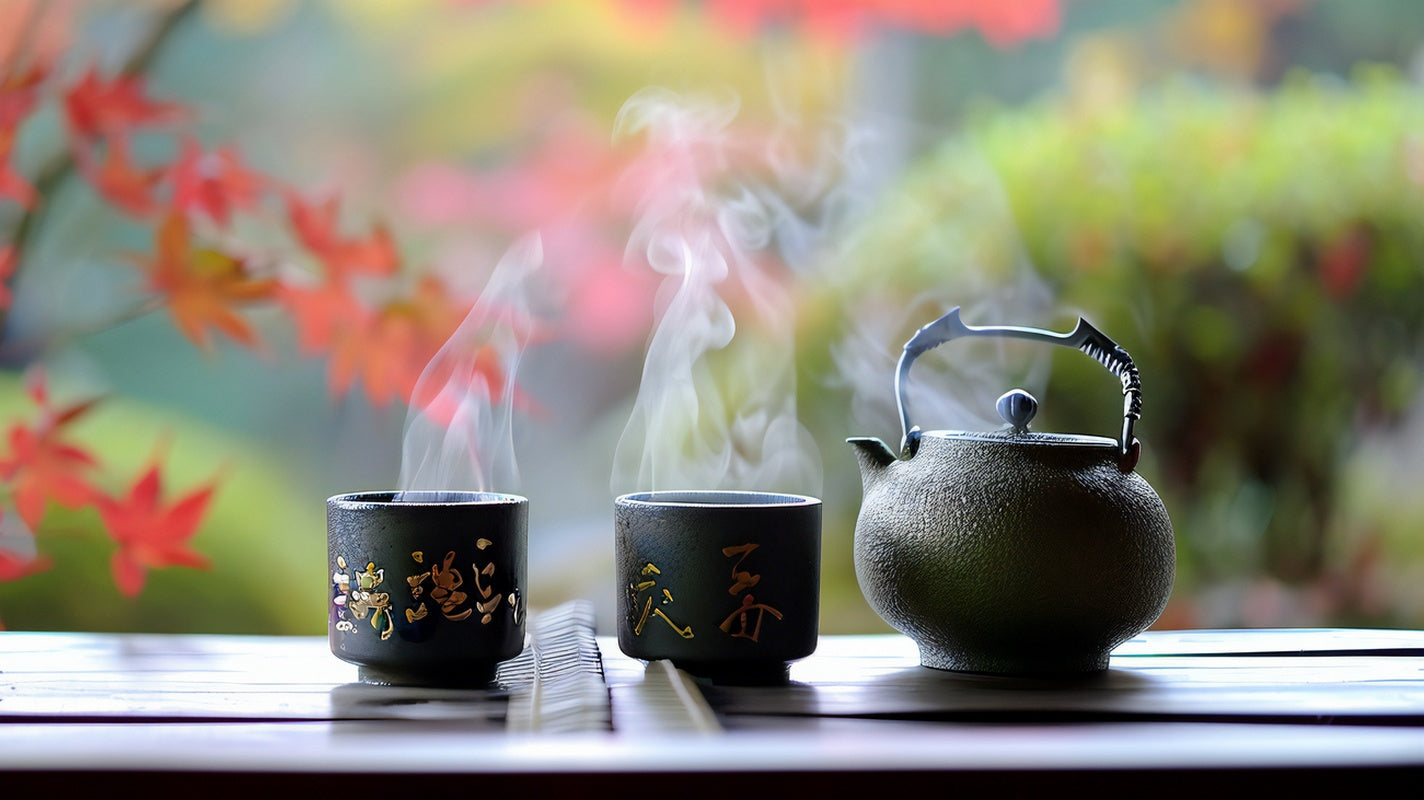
(425, 497)
(717, 498)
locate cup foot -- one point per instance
(471, 676)
(738, 673)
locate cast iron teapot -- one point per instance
(1013, 552)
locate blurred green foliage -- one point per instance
(1258, 252)
(264, 536)
(1251, 232)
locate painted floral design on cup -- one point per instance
(363, 602)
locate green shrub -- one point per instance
(1259, 253)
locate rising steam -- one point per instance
(459, 433)
(716, 404)
(958, 237)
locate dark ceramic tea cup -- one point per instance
(725, 584)
(427, 590)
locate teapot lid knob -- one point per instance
(1018, 408)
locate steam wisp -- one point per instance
(459, 433)
(716, 403)
(973, 257)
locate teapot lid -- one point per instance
(1017, 406)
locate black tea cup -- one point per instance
(427, 588)
(725, 584)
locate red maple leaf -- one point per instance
(213, 183)
(96, 108)
(316, 227)
(455, 381)
(18, 96)
(12, 184)
(386, 349)
(321, 312)
(118, 179)
(200, 286)
(473, 368)
(14, 566)
(567, 170)
(150, 534)
(8, 262)
(41, 466)
(839, 21)
(17, 100)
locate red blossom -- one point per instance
(1006, 24)
(609, 306)
(201, 286)
(566, 173)
(41, 466)
(150, 534)
(95, 108)
(561, 186)
(213, 184)
(1002, 23)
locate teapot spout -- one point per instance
(873, 455)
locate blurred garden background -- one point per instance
(233, 233)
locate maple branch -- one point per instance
(61, 165)
(23, 351)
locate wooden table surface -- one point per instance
(1308, 709)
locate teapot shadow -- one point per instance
(926, 693)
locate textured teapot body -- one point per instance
(1006, 557)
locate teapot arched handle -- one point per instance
(1083, 337)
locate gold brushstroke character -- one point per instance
(635, 596)
(743, 615)
(444, 592)
(490, 599)
(516, 607)
(742, 581)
